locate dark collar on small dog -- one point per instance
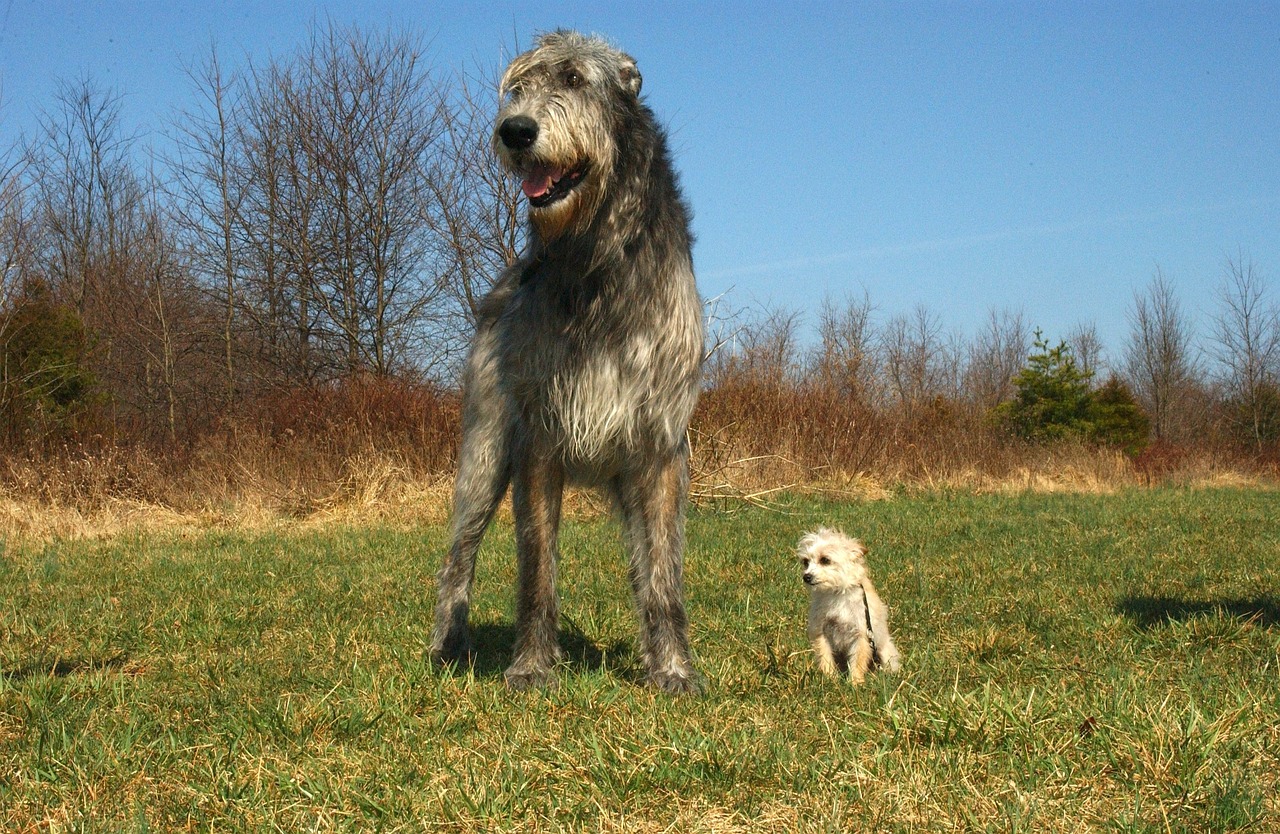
(871, 635)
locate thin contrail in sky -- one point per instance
(962, 241)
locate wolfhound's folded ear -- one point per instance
(629, 75)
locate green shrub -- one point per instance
(1053, 399)
(1116, 419)
(45, 386)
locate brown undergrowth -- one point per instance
(384, 451)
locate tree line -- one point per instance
(324, 215)
(334, 214)
(1168, 385)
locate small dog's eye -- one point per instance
(824, 561)
(804, 563)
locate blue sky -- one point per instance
(1043, 157)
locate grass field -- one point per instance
(1072, 663)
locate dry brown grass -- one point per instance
(750, 439)
(384, 451)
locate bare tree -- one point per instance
(761, 350)
(1158, 359)
(996, 355)
(341, 144)
(474, 206)
(845, 359)
(16, 233)
(278, 208)
(1246, 337)
(159, 339)
(921, 362)
(87, 192)
(89, 200)
(108, 250)
(208, 185)
(1086, 346)
(16, 256)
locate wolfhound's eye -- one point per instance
(572, 78)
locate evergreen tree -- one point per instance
(1054, 401)
(44, 383)
(1116, 419)
(1053, 397)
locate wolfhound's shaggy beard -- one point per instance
(586, 360)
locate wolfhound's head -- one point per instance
(563, 104)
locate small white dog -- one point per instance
(848, 622)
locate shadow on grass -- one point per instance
(493, 645)
(1152, 612)
(64, 667)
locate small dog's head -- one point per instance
(831, 560)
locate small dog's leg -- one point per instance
(537, 487)
(826, 657)
(886, 651)
(890, 659)
(860, 660)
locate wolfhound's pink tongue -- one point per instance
(539, 181)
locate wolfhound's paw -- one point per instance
(687, 683)
(454, 650)
(530, 677)
(525, 681)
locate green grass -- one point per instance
(1072, 663)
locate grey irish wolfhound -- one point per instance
(587, 356)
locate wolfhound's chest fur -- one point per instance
(617, 372)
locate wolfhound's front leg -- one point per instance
(537, 487)
(484, 469)
(652, 501)
(481, 483)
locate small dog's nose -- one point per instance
(518, 132)
(808, 579)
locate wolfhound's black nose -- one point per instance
(518, 132)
